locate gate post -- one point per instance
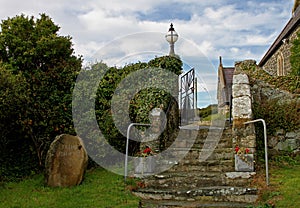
(244, 136)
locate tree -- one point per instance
(31, 47)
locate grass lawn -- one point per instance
(99, 189)
(284, 189)
(103, 189)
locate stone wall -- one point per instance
(285, 49)
(281, 140)
(260, 92)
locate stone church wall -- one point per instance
(285, 49)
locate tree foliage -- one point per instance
(43, 62)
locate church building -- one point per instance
(276, 61)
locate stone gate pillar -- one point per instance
(243, 135)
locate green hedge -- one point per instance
(141, 104)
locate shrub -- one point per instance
(140, 105)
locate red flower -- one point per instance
(147, 150)
(247, 150)
(237, 149)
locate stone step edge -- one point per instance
(203, 191)
(213, 149)
(183, 174)
(191, 204)
(207, 195)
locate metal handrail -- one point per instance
(140, 124)
(266, 146)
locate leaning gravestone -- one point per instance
(66, 161)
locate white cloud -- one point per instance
(253, 40)
(230, 28)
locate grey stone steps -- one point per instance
(191, 182)
(206, 166)
(215, 154)
(199, 144)
(202, 194)
(190, 204)
(203, 132)
(179, 180)
(205, 154)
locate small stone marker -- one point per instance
(66, 161)
(144, 166)
(244, 163)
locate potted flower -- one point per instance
(144, 164)
(244, 159)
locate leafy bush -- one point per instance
(140, 105)
(44, 63)
(13, 148)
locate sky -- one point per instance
(119, 32)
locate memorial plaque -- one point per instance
(244, 163)
(66, 161)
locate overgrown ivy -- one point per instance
(295, 56)
(278, 115)
(289, 82)
(140, 105)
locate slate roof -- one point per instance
(228, 75)
(225, 84)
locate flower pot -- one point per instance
(144, 166)
(244, 162)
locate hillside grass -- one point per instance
(99, 189)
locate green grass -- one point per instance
(215, 117)
(103, 189)
(288, 182)
(284, 189)
(99, 189)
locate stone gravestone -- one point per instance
(66, 161)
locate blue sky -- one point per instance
(234, 29)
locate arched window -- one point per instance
(280, 65)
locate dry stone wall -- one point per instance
(281, 140)
(260, 92)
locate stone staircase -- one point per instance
(192, 182)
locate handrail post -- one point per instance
(266, 146)
(127, 145)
